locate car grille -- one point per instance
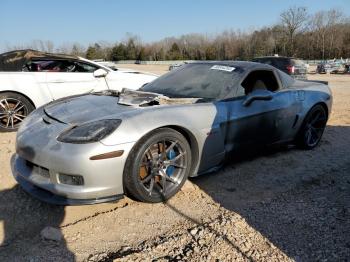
(42, 171)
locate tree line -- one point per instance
(322, 35)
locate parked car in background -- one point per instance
(147, 142)
(347, 68)
(322, 68)
(296, 68)
(29, 79)
(174, 66)
(331, 68)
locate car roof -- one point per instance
(242, 64)
(15, 60)
(30, 53)
(276, 57)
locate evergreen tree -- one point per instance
(174, 52)
(91, 53)
(118, 52)
(131, 50)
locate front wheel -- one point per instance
(14, 108)
(158, 166)
(312, 129)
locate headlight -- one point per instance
(90, 132)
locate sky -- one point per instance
(89, 21)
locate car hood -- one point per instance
(86, 108)
(131, 71)
(80, 109)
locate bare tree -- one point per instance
(319, 22)
(42, 45)
(334, 17)
(325, 35)
(324, 23)
(77, 49)
(293, 20)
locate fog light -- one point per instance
(71, 179)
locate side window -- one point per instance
(260, 79)
(41, 66)
(59, 66)
(263, 61)
(49, 66)
(281, 63)
(268, 61)
(83, 67)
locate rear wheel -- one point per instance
(14, 108)
(158, 166)
(313, 127)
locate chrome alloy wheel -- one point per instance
(163, 167)
(12, 113)
(315, 127)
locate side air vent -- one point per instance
(46, 120)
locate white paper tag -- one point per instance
(223, 68)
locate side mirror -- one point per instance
(100, 73)
(257, 95)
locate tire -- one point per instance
(157, 166)
(312, 128)
(13, 109)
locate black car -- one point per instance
(321, 68)
(292, 66)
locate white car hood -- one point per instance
(128, 70)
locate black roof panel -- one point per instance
(15, 60)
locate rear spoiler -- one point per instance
(317, 81)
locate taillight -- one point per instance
(290, 69)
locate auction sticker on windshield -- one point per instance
(223, 68)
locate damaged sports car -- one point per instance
(96, 147)
(29, 79)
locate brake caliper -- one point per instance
(170, 169)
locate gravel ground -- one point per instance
(280, 204)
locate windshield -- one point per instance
(208, 81)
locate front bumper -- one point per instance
(49, 197)
(103, 179)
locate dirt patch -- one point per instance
(284, 204)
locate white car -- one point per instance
(29, 79)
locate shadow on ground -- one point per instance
(299, 200)
(23, 218)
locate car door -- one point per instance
(65, 78)
(263, 121)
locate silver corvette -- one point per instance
(96, 147)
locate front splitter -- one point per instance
(49, 197)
